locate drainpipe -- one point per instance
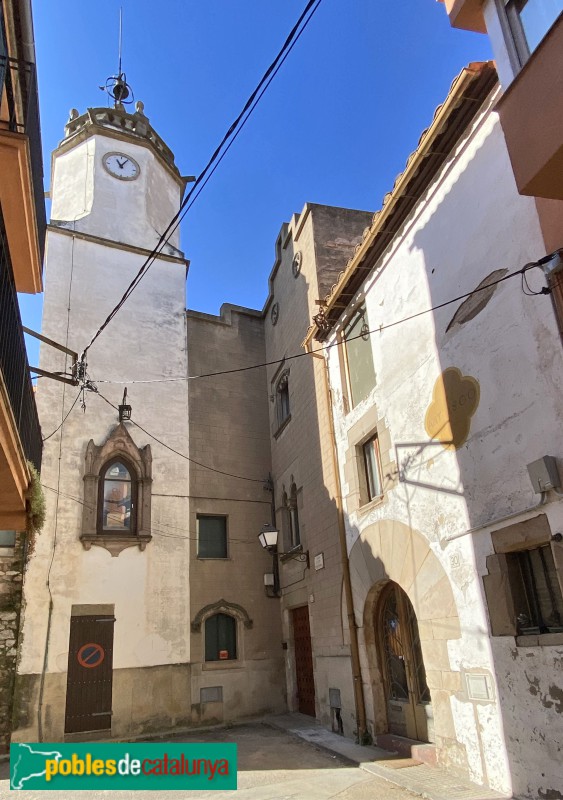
(359, 700)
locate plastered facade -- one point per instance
(469, 222)
(492, 696)
(93, 252)
(229, 431)
(323, 239)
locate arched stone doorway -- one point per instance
(390, 551)
(405, 687)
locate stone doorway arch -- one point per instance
(407, 696)
(390, 551)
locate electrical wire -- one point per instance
(45, 438)
(177, 452)
(203, 178)
(381, 328)
(154, 528)
(529, 292)
(545, 290)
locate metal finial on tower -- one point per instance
(116, 85)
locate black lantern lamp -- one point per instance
(268, 538)
(124, 409)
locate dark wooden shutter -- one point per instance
(303, 660)
(90, 671)
(220, 638)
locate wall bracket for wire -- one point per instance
(56, 376)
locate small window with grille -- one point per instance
(536, 593)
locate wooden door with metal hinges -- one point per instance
(90, 673)
(303, 661)
(409, 710)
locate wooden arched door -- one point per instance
(406, 690)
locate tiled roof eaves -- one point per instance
(466, 96)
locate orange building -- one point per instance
(22, 231)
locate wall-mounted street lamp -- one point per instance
(268, 538)
(124, 409)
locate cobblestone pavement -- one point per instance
(273, 765)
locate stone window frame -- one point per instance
(499, 589)
(244, 622)
(280, 384)
(370, 424)
(291, 525)
(119, 445)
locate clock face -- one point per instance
(121, 166)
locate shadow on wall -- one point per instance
(499, 353)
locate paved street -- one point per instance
(273, 765)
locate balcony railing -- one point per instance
(13, 360)
(19, 113)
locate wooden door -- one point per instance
(90, 670)
(408, 696)
(303, 660)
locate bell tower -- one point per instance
(115, 178)
(107, 555)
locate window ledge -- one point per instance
(377, 501)
(539, 640)
(214, 558)
(291, 553)
(282, 427)
(228, 663)
(115, 543)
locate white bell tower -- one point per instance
(114, 178)
(115, 188)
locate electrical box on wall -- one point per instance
(544, 474)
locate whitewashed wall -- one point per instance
(145, 342)
(470, 222)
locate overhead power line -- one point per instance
(303, 354)
(177, 452)
(45, 438)
(522, 271)
(154, 526)
(203, 178)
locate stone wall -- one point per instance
(11, 568)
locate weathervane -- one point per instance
(116, 85)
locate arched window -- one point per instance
(295, 535)
(220, 638)
(290, 518)
(117, 498)
(282, 398)
(117, 493)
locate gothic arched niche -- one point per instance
(119, 445)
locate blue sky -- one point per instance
(335, 126)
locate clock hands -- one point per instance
(121, 166)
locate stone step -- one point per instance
(408, 748)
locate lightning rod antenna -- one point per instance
(120, 37)
(116, 85)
